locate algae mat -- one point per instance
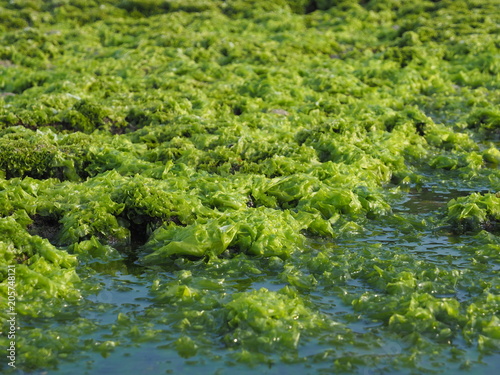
(249, 186)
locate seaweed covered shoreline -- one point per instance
(202, 148)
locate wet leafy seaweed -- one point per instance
(305, 184)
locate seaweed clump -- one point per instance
(216, 145)
(474, 213)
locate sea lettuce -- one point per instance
(260, 232)
(474, 212)
(43, 273)
(263, 320)
(211, 147)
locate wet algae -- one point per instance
(240, 186)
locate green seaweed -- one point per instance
(204, 148)
(474, 212)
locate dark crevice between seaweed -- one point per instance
(311, 7)
(420, 128)
(315, 5)
(235, 168)
(22, 258)
(237, 111)
(471, 227)
(47, 227)
(251, 201)
(141, 228)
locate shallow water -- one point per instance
(127, 290)
(215, 107)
